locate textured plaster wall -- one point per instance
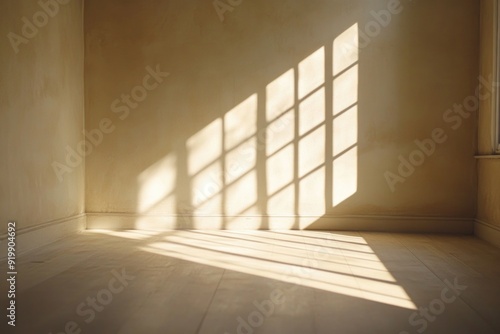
(41, 111)
(162, 149)
(488, 169)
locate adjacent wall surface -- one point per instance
(279, 113)
(41, 114)
(488, 213)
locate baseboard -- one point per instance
(120, 221)
(487, 232)
(34, 237)
(30, 238)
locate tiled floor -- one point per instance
(259, 282)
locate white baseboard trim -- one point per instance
(124, 221)
(30, 238)
(487, 232)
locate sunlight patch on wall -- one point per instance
(280, 102)
(345, 176)
(312, 152)
(240, 123)
(206, 188)
(280, 132)
(312, 176)
(240, 144)
(345, 129)
(280, 187)
(279, 165)
(345, 90)
(297, 157)
(241, 160)
(205, 170)
(222, 158)
(312, 191)
(280, 95)
(311, 72)
(346, 50)
(311, 135)
(345, 113)
(157, 185)
(312, 111)
(281, 203)
(205, 147)
(242, 195)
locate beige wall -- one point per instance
(41, 112)
(488, 169)
(227, 82)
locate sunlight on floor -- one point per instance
(126, 234)
(339, 263)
